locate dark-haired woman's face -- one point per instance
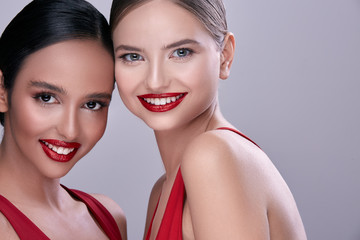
(59, 105)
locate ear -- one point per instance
(3, 95)
(227, 55)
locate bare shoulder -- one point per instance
(241, 186)
(226, 170)
(115, 210)
(219, 148)
(6, 230)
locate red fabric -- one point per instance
(171, 223)
(101, 214)
(27, 230)
(23, 226)
(241, 134)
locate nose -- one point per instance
(156, 79)
(68, 125)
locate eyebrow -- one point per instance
(127, 48)
(172, 45)
(181, 42)
(99, 95)
(41, 84)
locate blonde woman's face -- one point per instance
(167, 65)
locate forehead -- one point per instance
(158, 18)
(71, 62)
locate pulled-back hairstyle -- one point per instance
(45, 22)
(211, 13)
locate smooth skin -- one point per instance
(233, 191)
(61, 92)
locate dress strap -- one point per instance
(23, 226)
(238, 132)
(171, 223)
(101, 214)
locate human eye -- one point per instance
(45, 98)
(95, 105)
(182, 53)
(131, 57)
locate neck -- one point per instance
(172, 143)
(23, 185)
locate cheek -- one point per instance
(36, 119)
(125, 80)
(93, 126)
(202, 75)
(128, 81)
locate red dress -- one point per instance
(171, 223)
(27, 230)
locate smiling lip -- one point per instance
(161, 102)
(59, 151)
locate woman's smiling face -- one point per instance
(167, 65)
(59, 104)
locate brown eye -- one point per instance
(93, 105)
(45, 98)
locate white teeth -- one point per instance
(59, 150)
(66, 151)
(162, 101)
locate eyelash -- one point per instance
(127, 56)
(39, 97)
(98, 104)
(188, 52)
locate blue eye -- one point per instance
(182, 52)
(132, 57)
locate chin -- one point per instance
(161, 125)
(57, 174)
(58, 171)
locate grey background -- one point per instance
(294, 89)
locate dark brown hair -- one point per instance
(42, 23)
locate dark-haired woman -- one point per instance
(56, 71)
(218, 184)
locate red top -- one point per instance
(171, 223)
(27, 230)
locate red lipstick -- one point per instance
(161, 102)
(59, 151)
